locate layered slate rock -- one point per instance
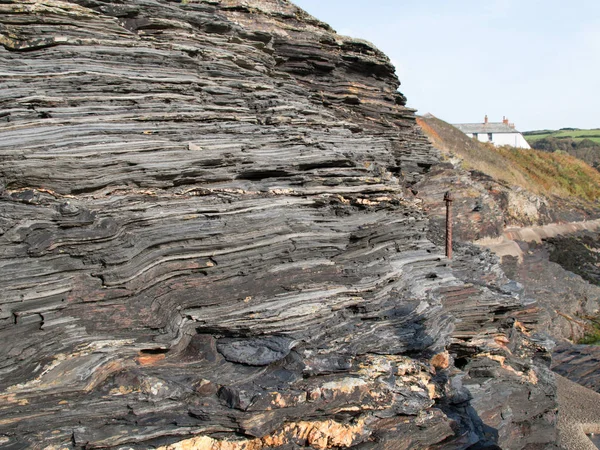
(209, 240)
(497, 344)
(476, 212)
(565, 300)
(578, 363)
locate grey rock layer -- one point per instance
(208, 239)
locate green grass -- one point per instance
(555, 173)
(592, 333)
(576, 135)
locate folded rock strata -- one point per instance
(209, 240)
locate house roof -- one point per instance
(490, 127)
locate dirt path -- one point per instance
(506, 245)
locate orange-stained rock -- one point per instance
(319, 435)
(441, 360)
(148, 360)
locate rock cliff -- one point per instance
(210, 239)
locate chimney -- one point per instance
(505, 120)
(485, 120)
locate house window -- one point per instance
(490, 137)
(474, 135)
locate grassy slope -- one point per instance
(576, 135)
(583, 144)
(540, 172)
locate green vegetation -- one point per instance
(541, 172)
(555, 173)
(583, 144)
(575, 134)
(592, 332)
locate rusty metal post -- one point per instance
(448, 198)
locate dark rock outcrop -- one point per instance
(578, 363)
(564, 299)
(209, 240)
(566, 276)
(578, 253)
(477, 213)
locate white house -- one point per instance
(498, 133)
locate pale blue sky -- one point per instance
(535, 61)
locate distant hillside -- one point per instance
(540, 172)
(583, 144)
(575, 134)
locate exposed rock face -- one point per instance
(563, 297)
(208, 240)
(578, 363)
(505, 362)
(476, 211)
(579, 253)
(576, 255)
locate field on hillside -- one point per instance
(583, 144)
(575, 134)
(537, 171)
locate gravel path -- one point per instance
(579, 414)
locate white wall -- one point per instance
(512, 139)
(481, 137)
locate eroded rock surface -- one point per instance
(578, 363)
(209, 240)
(563, 298)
